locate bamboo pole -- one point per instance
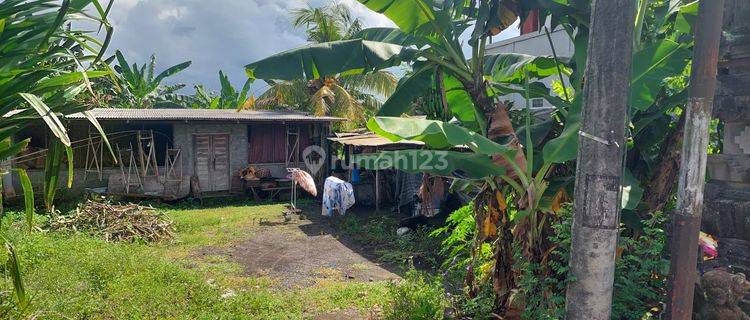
(601, 156)
(687, 216)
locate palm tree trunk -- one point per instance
(661, 185)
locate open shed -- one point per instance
(161, 150)
(376, 185)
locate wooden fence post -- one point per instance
(601, 156)
(686, 221)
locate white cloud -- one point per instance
(214, 34)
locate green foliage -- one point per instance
(435, 134)
(328, 59)
(458, 232)
(45, 66)
(143, 89)
(229, 97)
(458, 236)
(418, 296)
(20, 300)
(640, 273)
(329, 23)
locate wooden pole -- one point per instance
(601, 156)
(686, 221)
(377, 187)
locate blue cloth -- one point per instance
(355, 176)
(337, 195)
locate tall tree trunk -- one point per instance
(687, 217)
(601, 156)
(662, 183)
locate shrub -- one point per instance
(418, 296)
(640, 271)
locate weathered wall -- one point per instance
(183, 139)
(726, 212)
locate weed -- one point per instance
(418, 296)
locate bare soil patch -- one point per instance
(301, 252)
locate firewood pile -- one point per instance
(117, 222)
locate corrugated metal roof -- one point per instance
(201, 115)
(370, 140)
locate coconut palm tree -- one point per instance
(350, 96)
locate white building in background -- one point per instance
(533, 41)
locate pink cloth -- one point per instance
(306, 181)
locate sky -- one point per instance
(215, 34)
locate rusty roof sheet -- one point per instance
(371, 140)
(201, 115)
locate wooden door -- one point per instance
(220, 168)
(212, 161)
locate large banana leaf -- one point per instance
(141, 81)
(412, 86)
(329, 59)
(408, 15)
(513, 67)
(653, 64)
(422, 83)
(462, 106)
(686, 18)
(435, 134)
(389, 35)
(442, 163)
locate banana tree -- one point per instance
(44, 67)
(141, 86)
(464, 88)
(468, 89)
(229, 98)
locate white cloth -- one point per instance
(337, 195)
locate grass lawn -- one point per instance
(81, 277)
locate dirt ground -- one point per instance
(300, 252)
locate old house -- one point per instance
(158, 151)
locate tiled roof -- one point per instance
(201, 115)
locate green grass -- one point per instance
(81, 277)
(377, 232)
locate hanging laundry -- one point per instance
(337, 195)
(432, 193)
(407, 186)
(305, 180)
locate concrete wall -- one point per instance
(183, 139)
(535, 44)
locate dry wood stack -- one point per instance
(117, 222)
